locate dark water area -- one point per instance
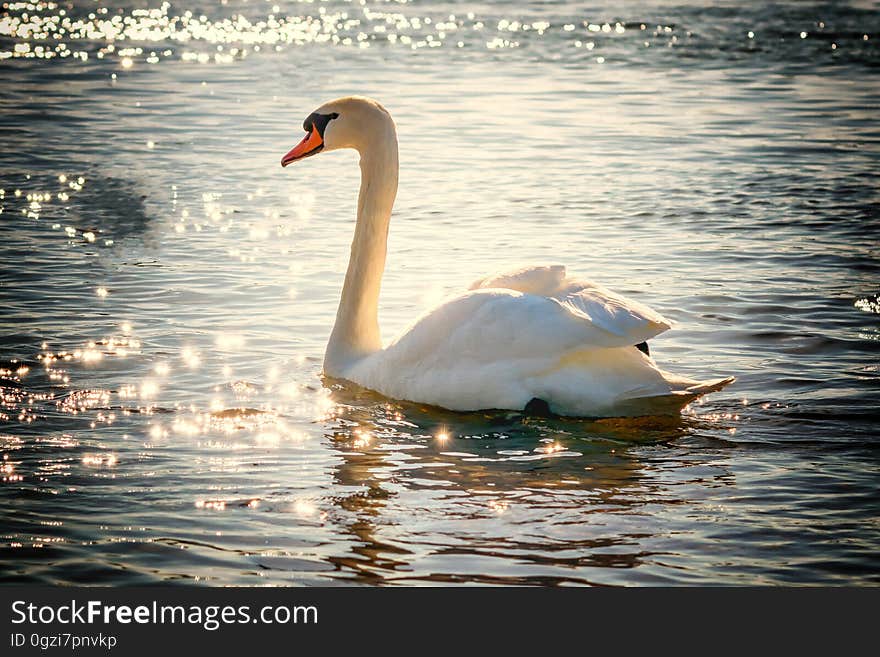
(167, 290)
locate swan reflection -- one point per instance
(492, 486)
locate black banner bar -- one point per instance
(133, 621)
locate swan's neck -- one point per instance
(356, 332)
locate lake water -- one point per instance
(167, 290)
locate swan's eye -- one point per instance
(318, 122)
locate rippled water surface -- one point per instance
(166, 290)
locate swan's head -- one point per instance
(352, 122)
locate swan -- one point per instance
(534, 339)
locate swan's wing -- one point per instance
(542, 279)
(632, 321)
(497, 325)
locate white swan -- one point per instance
(531, 338)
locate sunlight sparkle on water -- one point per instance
(325, 408)
(869, 304)
(100, 460)
(361, 439)
(229, 342)
(157, 431)
(190, 357)
(498, 506)
(214, 505)
(224, 40)
(149, 389)
(304, 508)
(550, 448)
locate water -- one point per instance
(167, 290)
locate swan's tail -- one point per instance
(617, 382)
(684, 392)
(704, 387)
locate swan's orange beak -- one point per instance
(311, 144)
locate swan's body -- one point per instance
(533, 333)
